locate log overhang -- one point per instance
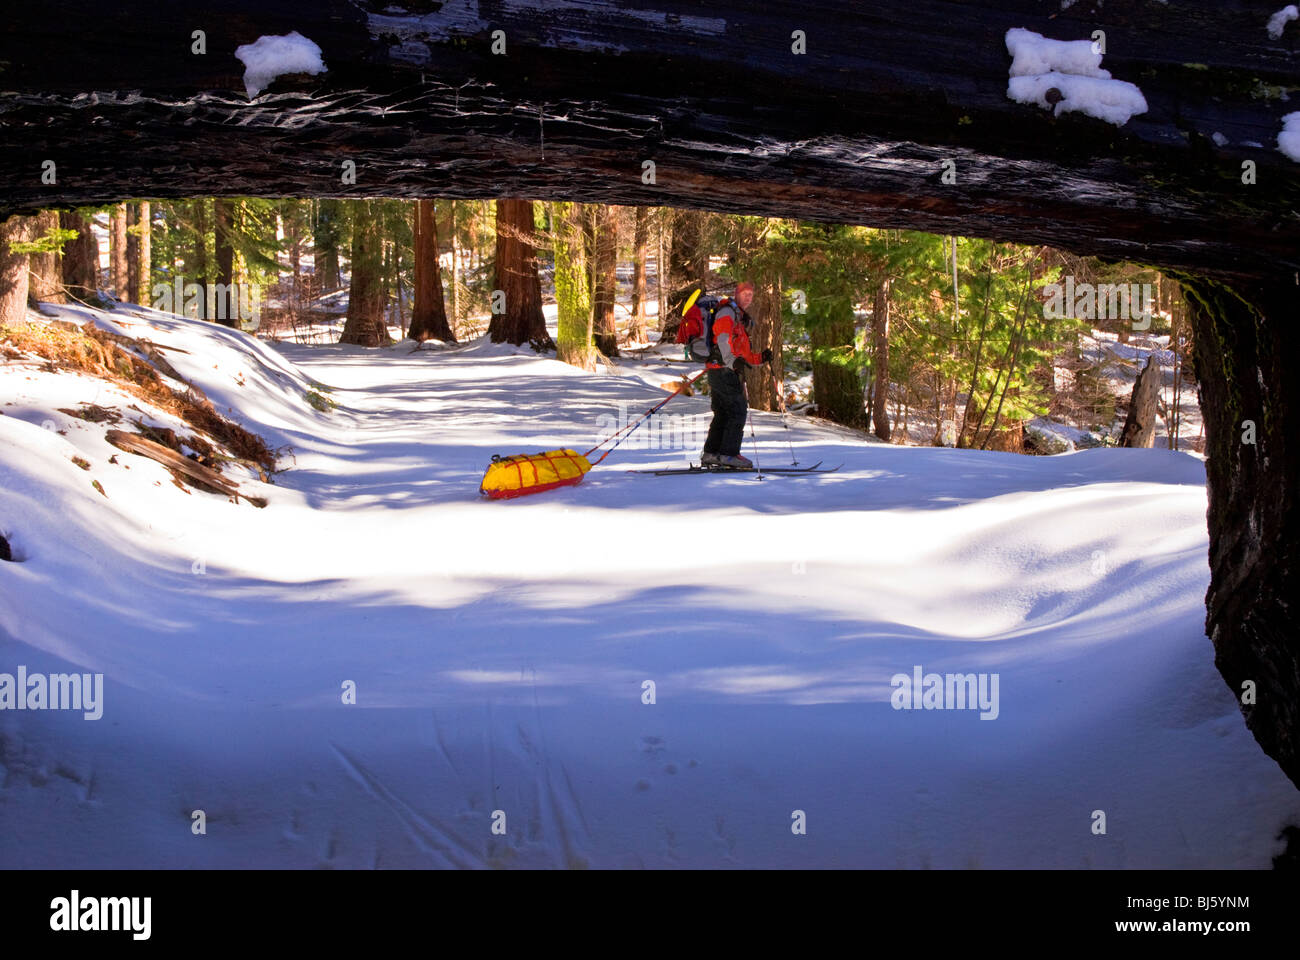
(857, 129)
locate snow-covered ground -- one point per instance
(500, 651)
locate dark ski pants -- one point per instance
(729, 411)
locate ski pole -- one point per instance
(780, 396)
(758, 468)
(629, 428)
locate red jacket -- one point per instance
(731, 337)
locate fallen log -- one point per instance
(205, 478)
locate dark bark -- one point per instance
(855, 130)
(1246, 345)
(224, 247)
(880, 361)
(516, 277)
(604, 280)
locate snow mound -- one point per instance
(269, 57)
(1066, 76)
(489, 677)
(1053, 436)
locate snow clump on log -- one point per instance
(269, 57)
(1068, 74)
(1277, 23)
(1288, 141)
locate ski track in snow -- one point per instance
(499, 649)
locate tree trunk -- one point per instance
(970, 431)
(13, 269)
(640, 238)
(761, 382)
(117, 251)
(605, 279)
(456, 318)
(293, 235)
(44, 283)
(385, 267)
(1252, 467)
(684, 252)
(133, 253)
(225, 311)
(200, 264)
(144, 265)
(572, 293)
(516, 276)
(684, 261)
(429, 315)
(325, 243)
(80, 258)
(365, 320)
(660, 290)
(1140, 424)
(880, 361)
(1016, 342)
(837, 386)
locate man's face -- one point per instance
(745, 298)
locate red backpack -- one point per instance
(696, 329)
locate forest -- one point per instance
(910, 336)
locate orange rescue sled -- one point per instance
(526, 473)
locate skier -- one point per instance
(732, 353)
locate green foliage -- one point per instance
(320, 401)
(52, 241)
(987, 340)
(183, 243)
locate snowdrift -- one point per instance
(362, 673)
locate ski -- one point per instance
(695, 468)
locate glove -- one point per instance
(739, 365)
(767, 356)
